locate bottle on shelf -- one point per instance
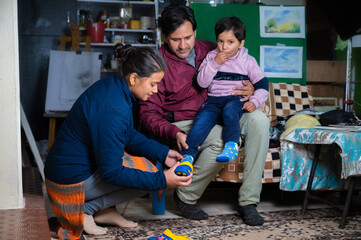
(82, 19)
(107, 22)
(67, 24)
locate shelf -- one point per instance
(120, 2)
(130, 30)
(112, 44)
(131, 36)
(125, 30)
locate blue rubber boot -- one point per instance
(229, 152)
(185, 168)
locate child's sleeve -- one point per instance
(207, 71)
(260, 83)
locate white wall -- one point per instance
(11, 191)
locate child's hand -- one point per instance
(249, 107)
(221, 58)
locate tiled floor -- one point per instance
(30, 223)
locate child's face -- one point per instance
(227, 42)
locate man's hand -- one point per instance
(247, 90)
(249, 107)
(181, 141)
(172, 158)
(221, 58)
(173, 180)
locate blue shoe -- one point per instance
(229, 153)
(185, 168)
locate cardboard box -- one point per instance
(326, 71)
(328, 90)
(327, 78)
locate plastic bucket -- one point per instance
(96, 32)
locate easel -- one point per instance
(75, 39)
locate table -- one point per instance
(340, 158)
(319, 159)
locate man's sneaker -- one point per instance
(190, 211)
(249, 215)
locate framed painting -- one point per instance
(281, 61)
(282, 22)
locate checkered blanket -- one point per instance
(285, 99)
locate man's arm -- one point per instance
(152, 117)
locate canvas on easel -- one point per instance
(70, 74)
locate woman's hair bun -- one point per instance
(143, 61)
(121, 52)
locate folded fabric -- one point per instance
(168, 235)
(299, 121)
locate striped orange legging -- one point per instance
(67, 202)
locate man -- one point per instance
(169, 115)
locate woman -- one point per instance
(84, 170)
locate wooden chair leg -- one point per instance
(51, 136)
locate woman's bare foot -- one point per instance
(91, 228)
(111, 217)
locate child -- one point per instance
(224, 68)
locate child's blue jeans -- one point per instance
(228, 109)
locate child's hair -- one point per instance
(143, 61)
(173, 16)
(231, 23)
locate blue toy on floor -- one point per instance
(168, 235)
